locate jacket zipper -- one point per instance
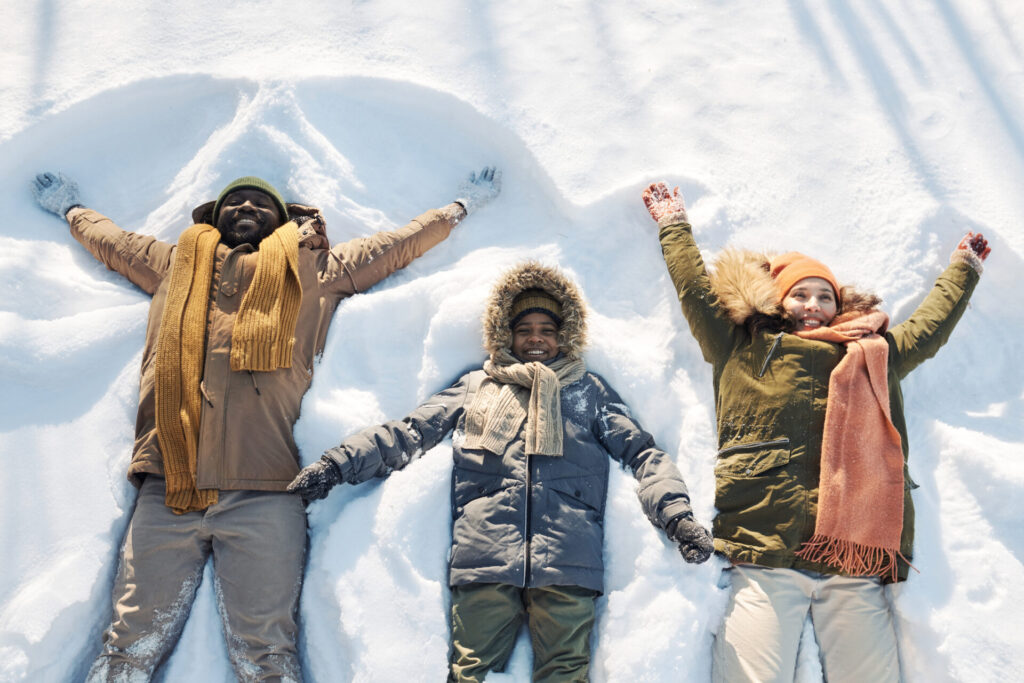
(755, 444)
(526, 528)
(771, 351)
(206, 395)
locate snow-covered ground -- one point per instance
(870, 134)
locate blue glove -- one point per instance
(477, 190)
(56, 193)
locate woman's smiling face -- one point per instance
(810, 303)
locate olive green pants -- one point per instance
(485, 619)
(258, 543)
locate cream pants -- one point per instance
(760, 636)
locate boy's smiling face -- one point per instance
(535, 338)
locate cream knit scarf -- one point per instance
(262, 340)
(860, 489)
(513, 392)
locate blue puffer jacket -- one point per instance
(528, 520)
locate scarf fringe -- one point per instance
(854, 559)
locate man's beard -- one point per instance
(235, 235)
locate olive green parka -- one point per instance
(771, 390)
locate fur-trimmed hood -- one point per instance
(572, 335)
(744, 286)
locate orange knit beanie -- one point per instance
(792, 267)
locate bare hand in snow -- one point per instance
(55, 192)
(664, 206)
(478, 189)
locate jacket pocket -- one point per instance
(753, 458)
(582, 493)
(466, 490)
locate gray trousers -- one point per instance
(760, 637)
(258, 543)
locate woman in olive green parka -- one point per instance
(768, 326)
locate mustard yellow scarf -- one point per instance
(262, 339)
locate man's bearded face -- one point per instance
(247, 216)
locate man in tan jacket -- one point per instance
(241, 307)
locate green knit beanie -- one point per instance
(251, 182)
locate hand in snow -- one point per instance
(972, 250)
(665, 207)
(694, 540)
(56, 193)
(478, 189)
(316, 481)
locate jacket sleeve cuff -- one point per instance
(341, 461)
(674, 218)
(675, 511)
(967, 257)
(454, 212)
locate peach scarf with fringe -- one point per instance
(861, 487)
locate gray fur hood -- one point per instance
(572, 335)
(742, 281)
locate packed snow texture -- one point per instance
(869, 134)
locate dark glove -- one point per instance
(694, 540)
(56, 193)
(315, 481)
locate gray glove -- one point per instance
(477, 190)
(56, 193)
(694, 540)
(315, 481)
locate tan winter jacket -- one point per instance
(246, 440)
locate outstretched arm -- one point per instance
(708, 322)
(143, 259)
(920, 337)
(377, 451)
(357, 265)
(662, 491)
